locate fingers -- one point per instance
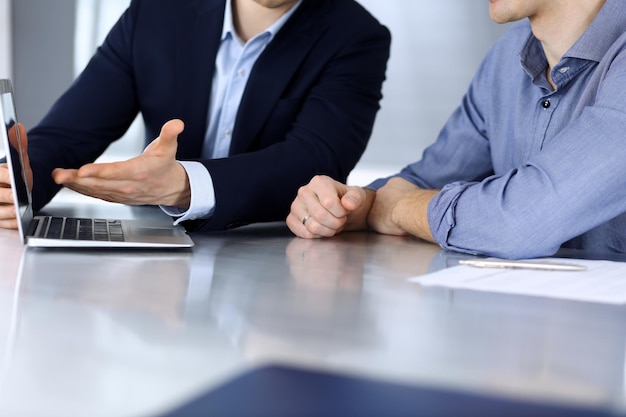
(298, 228)
(6, 194)
(109, 181)
(299, 217)
(319, 210)
(116, 190)
(8, 223)
(8, 217)
(5, 179)
(322, 196)
(104, 171)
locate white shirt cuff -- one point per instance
(202, 194)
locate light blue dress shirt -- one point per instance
(524, 170)
(233, 64)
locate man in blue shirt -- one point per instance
(253, 97)
(534, 158)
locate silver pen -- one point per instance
(513, 264)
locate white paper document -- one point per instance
(602, 282)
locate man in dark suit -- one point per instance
(268, 93)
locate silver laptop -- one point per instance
(57, 232)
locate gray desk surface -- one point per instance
(111, 333)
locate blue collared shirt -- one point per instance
(524, 170)
(233, 64)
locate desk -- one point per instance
(137, 333)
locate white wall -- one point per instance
(5, 39)
(94, 19)
(436, 47)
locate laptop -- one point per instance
(60, 232)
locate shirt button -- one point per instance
(546, 104)
(564, 70)
(227, 132)
(241, 73)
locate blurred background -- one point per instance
(436, 47)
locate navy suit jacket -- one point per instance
(308, 108)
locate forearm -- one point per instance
(410, 213)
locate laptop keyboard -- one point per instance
(81, 229)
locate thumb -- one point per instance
(353, 198)
(168, 138)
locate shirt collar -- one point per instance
(604, 30)
(228, 28)
(608, 25)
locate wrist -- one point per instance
(410, 213)
(182, 196)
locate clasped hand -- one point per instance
(325, 207)
(154, 177)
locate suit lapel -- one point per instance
(274, 69)
(198, 39)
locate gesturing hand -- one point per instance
(154, 177)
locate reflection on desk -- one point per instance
(110, 333)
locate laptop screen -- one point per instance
(13, 157)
